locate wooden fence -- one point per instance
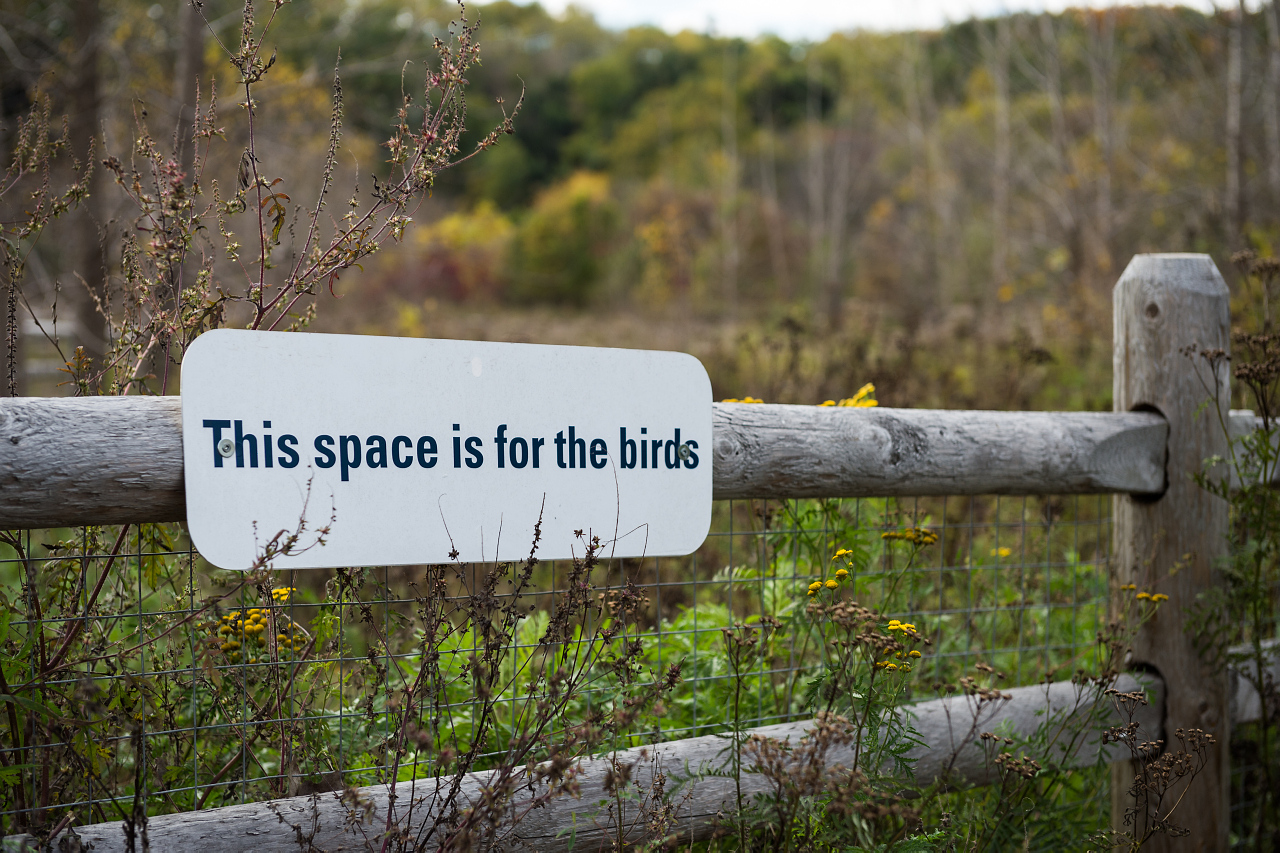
(115, 460)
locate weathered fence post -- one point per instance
(1170, 543)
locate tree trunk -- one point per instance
(774, 221)
(729, 181)
(1102, 32)
(917, 88)
(1273, 106)
(186, 75)
(815, 182)
(85, 101)
(1069, 203)
(1234, 201)
(998, 64)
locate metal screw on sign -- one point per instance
(684, 452)
(226, 447)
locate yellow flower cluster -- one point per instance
(243, 632)
(861, 400)
(743, 400)
(910, 635)
(281, 594)
(1001, 552)
(830, 583)
(914, 535)
(1154, 598)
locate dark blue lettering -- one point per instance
(580, 446)
(376, 455)
(324, 445)
(217, 427)
(671, 452)
(243, 438)
(692, 461)
(288, 456)
(427, 448)
(501, 441)
(627, 450)
(395, 451)
(473, 450)
(519, 453)
(349, 459)
(599, 453)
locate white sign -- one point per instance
(417, 448)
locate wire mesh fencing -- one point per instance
(136, 676)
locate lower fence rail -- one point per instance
(951, 749)
(142, 691)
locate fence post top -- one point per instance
(1175, 270)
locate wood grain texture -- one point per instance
(73, 461)
(1162, 304)
(779, 451)
(90, 460)
(949, 727)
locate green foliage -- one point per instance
(1236, 622)
(558, 247)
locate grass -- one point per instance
(1015, 583)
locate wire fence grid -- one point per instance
(159, 709)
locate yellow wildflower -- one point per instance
(841, 574)
(914, 535)
(890, 666)
(841, 553)
(816, 585)
(1159, 597)
(832, 584)
(894, 624)
(743, 400)
(915, 653)
(1144, 596)
(862, 399)
(1129, 586)
(1001, 552)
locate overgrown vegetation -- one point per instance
(1237, 621)
(134, 681)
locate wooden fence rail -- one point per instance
(68, 462)
(950, 749)
(111, 460)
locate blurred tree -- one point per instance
(558, 250)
